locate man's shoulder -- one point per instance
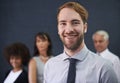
(99, 60)
(55, 58)
(113, 56)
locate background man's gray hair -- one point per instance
(103, 33)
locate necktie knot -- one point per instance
(72, 60)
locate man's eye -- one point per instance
(101, 41)
(62, 23)
(75, 23)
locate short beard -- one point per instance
(76, 45)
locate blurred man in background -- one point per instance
(101, 42)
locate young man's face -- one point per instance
(71, 28)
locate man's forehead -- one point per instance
(68, 13)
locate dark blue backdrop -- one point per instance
(20, 20)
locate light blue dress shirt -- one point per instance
(114, 59)
(89, 69)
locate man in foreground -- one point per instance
(77, 64)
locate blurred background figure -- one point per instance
(101, 42)
(42, 52)
(18, 56)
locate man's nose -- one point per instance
(97, 43)
(69, 28)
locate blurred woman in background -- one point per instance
(18, 56)
(42, 52)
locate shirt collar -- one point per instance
(103, 52)
(81, 55)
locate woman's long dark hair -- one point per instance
(43, 36)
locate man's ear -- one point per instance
(85, 27)
(85, 31)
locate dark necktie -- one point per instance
(72, 71)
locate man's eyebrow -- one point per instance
(75, 20)
(71, 20)
(62, 21)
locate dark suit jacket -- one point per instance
(22, 78)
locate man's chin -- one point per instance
(69, 46)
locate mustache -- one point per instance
(71, 34)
